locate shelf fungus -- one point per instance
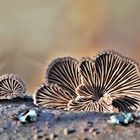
(62, 78)
(64, 73)
(11, 87)
(51, 96)
(108, 83)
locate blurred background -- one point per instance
(34, 32)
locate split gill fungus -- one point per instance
(11, 86)
(109, 82)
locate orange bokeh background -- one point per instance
(33, 33)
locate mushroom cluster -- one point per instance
(109, 82)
